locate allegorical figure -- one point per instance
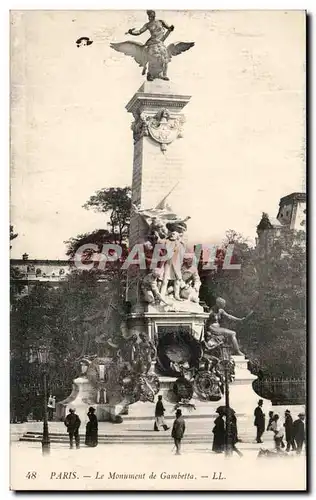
(191, 282)
(150, 287)
(92, 428)
(214, 327)
(153, 56)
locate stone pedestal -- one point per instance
(243, 398)
(80, 399)
(158, 158)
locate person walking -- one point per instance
(299, 432)
(159, 415)
(278, 430)
(92, 428)
(219, 432)
(72, 422)
(232, 439)
(178, 431)
(289, 433)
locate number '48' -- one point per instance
(31, 475)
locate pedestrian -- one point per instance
(299, 432)
(51, 405)
(219, 432)
(271, 413)
(289, 433)
(259, 421)
(178, 430)
(92, 428)
(232, 438)
(72, 422)
(159, 415)
(278, 430)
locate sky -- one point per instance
(243, 139)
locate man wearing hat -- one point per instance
(259, 421)
(72, 422)
(299, 432)
(178, 431)
(289, 436)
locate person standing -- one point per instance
(51, 405)
(72, 422)
(278, 430)
(259, 421)
(219, 432)
(178, 430)
(159, 415)
(271, 413)
(92, 428)
(299, 432)
(289, 434)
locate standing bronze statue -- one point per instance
(153, 56)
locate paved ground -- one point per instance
(196, 469)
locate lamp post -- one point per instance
(226, 366)
(43, 356)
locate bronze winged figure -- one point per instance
(153, 56)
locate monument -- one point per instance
(169, 344)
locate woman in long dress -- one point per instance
(92, 428)
(219, 433)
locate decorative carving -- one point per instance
(140, 127)
(208, 386)
(161, 127)
(164, 129)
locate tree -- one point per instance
(274, 287)
(12, 234)
(116, 202)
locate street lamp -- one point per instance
(43, 357)
(226, 365)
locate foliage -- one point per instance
(116, 202)
(274, 287)
(13, 235)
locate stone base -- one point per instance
(81, 398)
(243, 399)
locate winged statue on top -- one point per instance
(153, 56)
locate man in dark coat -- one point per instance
(178, 430)
(159, 415)
(299, 432)
(259, 421)
(72, 422)
(289, 435)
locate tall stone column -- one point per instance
(158, 159)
